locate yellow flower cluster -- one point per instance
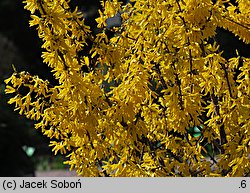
(160, 75)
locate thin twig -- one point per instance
(223, 139)
(227, 79)
(240, 24)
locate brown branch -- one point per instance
(179, 7)
(60, 54)
(130, 38)
(141, 154)
(40, 5)
(162, 164)
(186, 137)
(241, 139)
(158, 71)
(223, 139)
(227, 79)
(235, 22)
(188, 41)
(178, 82)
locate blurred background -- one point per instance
(24, 151)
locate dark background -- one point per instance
(19, 45)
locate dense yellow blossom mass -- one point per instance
(161, 75)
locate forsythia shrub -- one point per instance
(157, 98)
